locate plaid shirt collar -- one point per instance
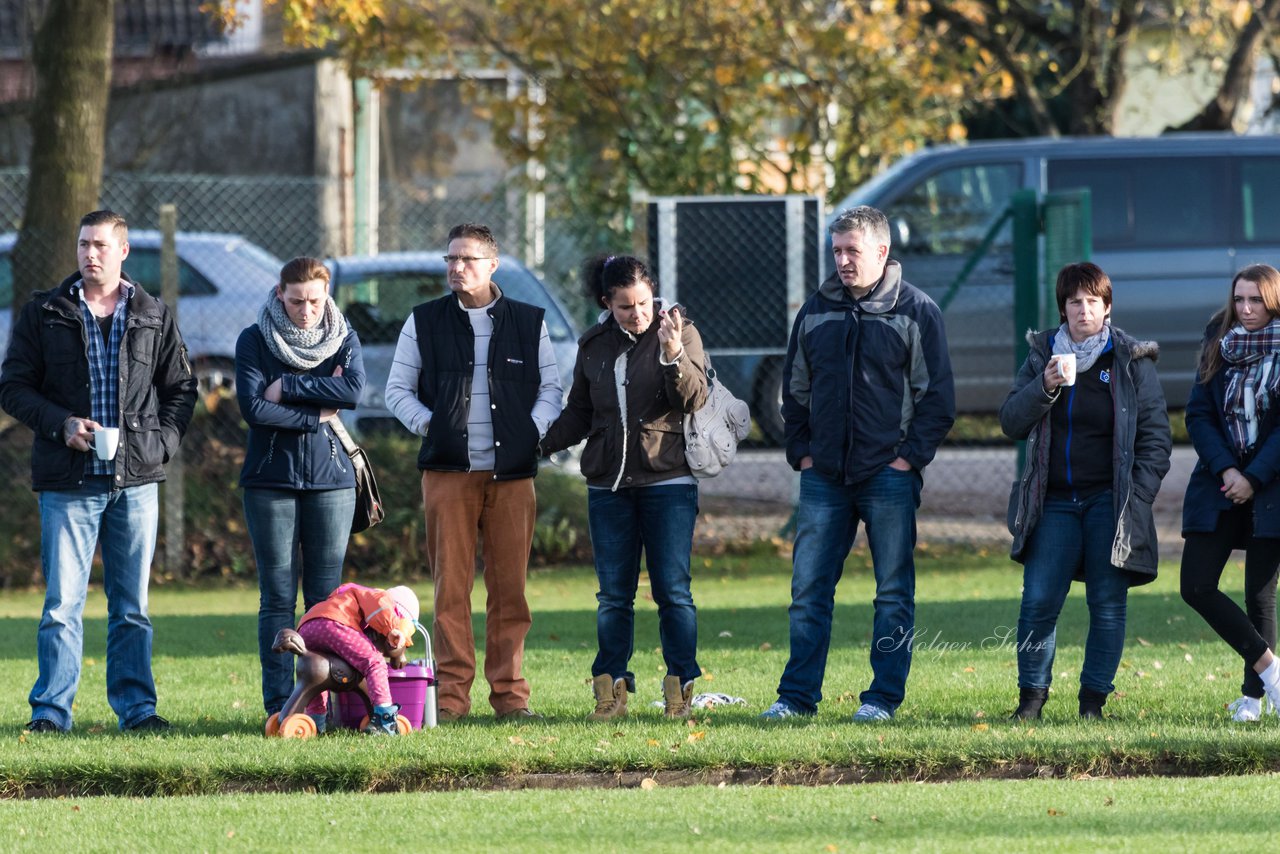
(104, 366)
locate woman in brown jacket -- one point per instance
(639, 371)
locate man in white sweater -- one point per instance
(475, 375)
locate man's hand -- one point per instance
(77, 432)
(900, 464)
(806, 463)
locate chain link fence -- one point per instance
(234, 231)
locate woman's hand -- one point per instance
(1052, 377)
(1236, 486)
(272, 392)
(669, 329)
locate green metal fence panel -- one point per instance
(1068, 239)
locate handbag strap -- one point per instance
(339, 429)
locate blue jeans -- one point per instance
(1072, 535)
(658, 520)
(72, 523)
(826, 524)
(295, 533)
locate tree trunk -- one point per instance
(1221, 110)
(72, 57)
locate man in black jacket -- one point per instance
(474, 375)
(97, 369)
(867, 397)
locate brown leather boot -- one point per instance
(611, 698)
(677, 697)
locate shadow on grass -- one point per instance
(941, 628)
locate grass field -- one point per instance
(1167, 716)
(1203, 814)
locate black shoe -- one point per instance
(1091, 703)
(1030, 702)
(43, 725)
(151, 723)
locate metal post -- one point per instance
(174, 487)
(366, 167)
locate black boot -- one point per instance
(1091, 703)
(1030, 702)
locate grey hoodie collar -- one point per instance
(883, 297)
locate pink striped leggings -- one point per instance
(352, 646)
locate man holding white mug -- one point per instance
(97, 369)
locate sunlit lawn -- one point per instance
(1167, 715)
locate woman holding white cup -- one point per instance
(1089, 404)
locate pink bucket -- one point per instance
(408, 688)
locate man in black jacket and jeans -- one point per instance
(867, 397)
(95, 355)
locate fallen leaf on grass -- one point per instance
(970, 670)
(1109, 802)
(517, 740)
(875, 818)
(1144, 642)
(696, 736)
(766, 646)
(1054, 812)
(726, 634)
(1187, 658)
(981, 727)
(653, 742)
(831, 848)
(648, 784)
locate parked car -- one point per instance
(1173, 219)
(222, 281)
(378, 292)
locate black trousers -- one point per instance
(1204, 557)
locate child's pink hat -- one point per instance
(406, 599)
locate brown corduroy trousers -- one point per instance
(459, 506)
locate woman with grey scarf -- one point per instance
(1234, 491)
(295, 368)
(1089, 404)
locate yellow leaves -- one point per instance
(1241, 13)
(983, 727)
(648, 784)
(696, 736)
(653, 742)
(1056, 813)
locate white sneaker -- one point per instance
(1246, 709)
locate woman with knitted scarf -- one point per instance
(295, 368)
(1088, 403)
(1233, 497)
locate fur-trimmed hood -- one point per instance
(1137, 349)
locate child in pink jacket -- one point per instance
(342, 624)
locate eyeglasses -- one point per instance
(450, 260)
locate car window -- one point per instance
(143, 267)
(1156, 202)
(949, 212)
(377, 304)
(1259, 201)
(522, 285)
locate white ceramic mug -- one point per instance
(1067, 367)
(105, 442)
